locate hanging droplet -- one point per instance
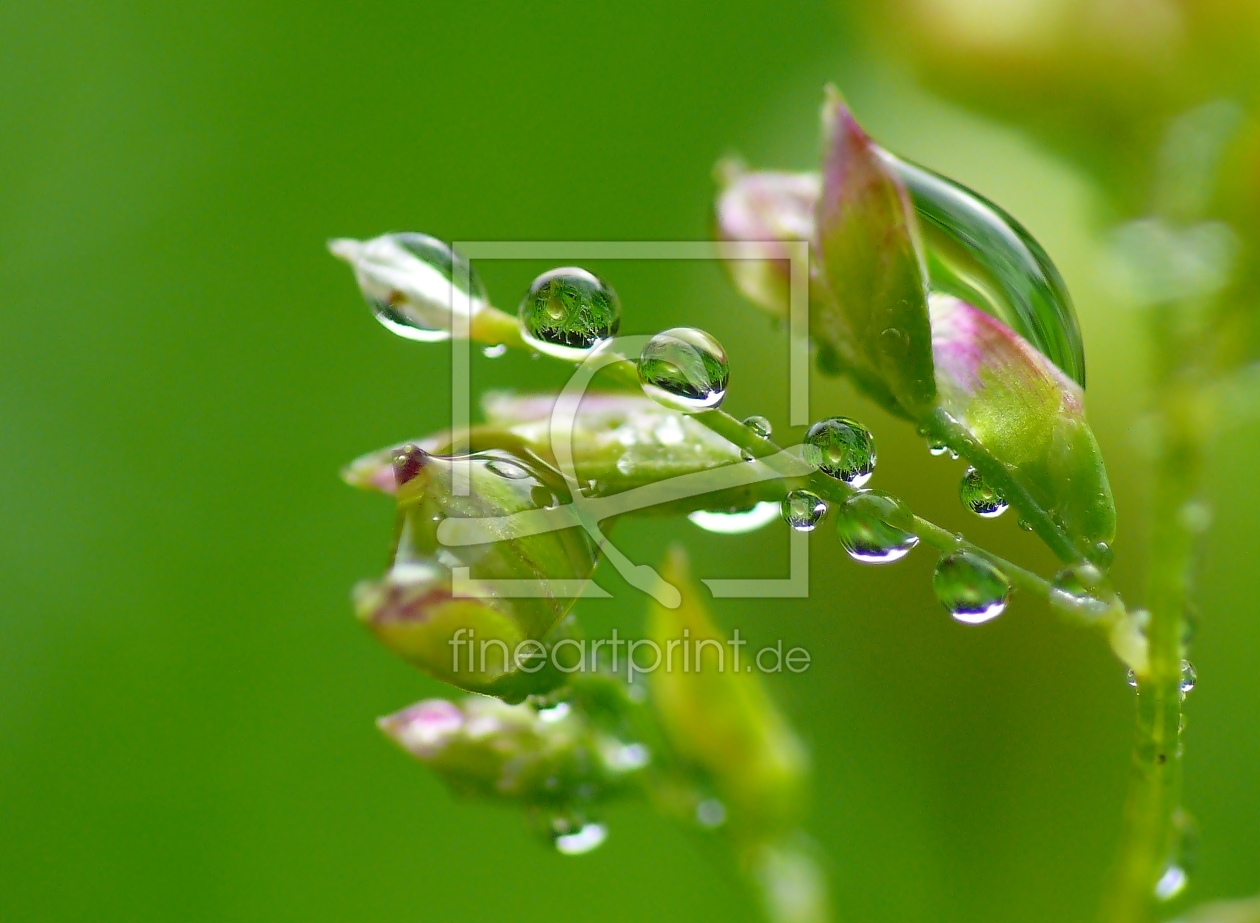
(803, 509)
(1171, 883)
(759, 425)
(413, 283)
(736, 522)
(841, 448)
(979, 253)
(867, 526)
(568, 312)
(684, 369)
(937, 449)
(1072, 591)
(970, 588)
(710, 813)
(1101, 554)
(573, 840)
(1131, 678)
(495, 351)
(1189, 676)
(979, 496)
(747, 456)
(505, 468)
(1025, 525)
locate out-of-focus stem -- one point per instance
(1149, 835)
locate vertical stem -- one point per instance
(1149, 836)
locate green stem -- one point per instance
(1149, 834)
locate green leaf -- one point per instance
(869, 296)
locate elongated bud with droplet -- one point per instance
(717, 714)
(486, 748)
(472, 590)
(1026, 413)
(416, 285)
(762, 210)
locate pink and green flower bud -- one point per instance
(485, 748)
(1025, 413)
(763, 210)
(718, 716)
(448, 609)
(869, 295)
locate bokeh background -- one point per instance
(187, 704)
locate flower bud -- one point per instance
(414, 284)
(1025, 413)
(486, 748)
(763, 210)
(447, 609)
(869, 297)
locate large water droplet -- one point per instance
(736, 522)
(970, 588)
(568, 311)
(979, 253)
(759, 425)
(841, 448)
(866, 525)
(1189, 676)
(413, 282)
(803, 509)
(979, 496)
(684, 369)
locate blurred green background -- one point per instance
(186, 702)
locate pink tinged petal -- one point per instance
(424, 728)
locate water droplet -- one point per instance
(802, 510)
(1072, 591)
(1171, 883)
(937, 448)
(841, 448)
(970, 588)
(736, 522)
(627, 757)
(507, 469)
(1025, 525)
(584, 839)
(413, 282)
(568, 312)
(1189, 676)
(494, 352)
(542, 497)
(554, 713)
(710, 813)
(979, 253)
(1131, 678)
(867, 526)
(625, 464)
(1101, 554)
(747, 456)
(979, 496)
(684, 369)
(759, 425)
